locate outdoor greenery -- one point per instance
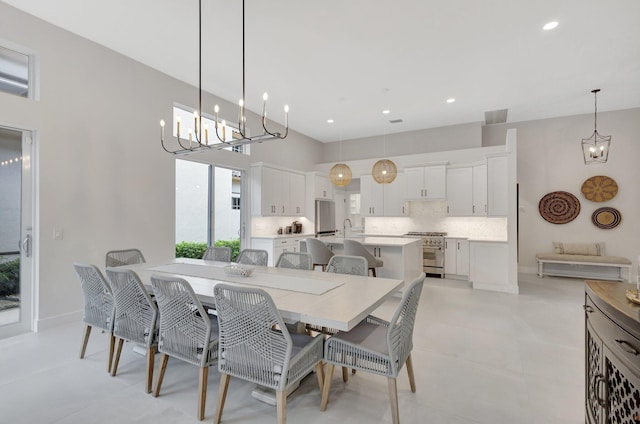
(10, 277)
(196, 250)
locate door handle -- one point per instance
(587, 308)
(627, 347)
(25, 246)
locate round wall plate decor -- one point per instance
(599, 188)
(559, 207)
(606, 218)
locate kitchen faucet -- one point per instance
(344, 227)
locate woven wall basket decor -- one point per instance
(606, 218)
(559, 207)
(599, 188)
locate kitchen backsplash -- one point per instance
(266, 226)
(432, 216)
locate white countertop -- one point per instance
(373, 241)
(281, 236)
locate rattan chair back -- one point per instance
(294, 260)
(256, 257)
(218, 253)
(345, 264)
(124, 257)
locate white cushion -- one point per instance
(591, 249)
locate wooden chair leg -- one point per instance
(163, 367)
(85, 340)
(393, 396)
(202, 385)
(327, 386)
(112, 343)
(320, 375)
(222, 397)
(151, 356)
(116, 360)
(412, 380)
(345, 374)
(281, 406)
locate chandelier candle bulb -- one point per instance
(178, 127)
(206, 134)
(162, 129)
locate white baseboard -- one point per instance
(51, 322)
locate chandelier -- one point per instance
(595, 149)
(199, 139)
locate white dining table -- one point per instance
(323, 299)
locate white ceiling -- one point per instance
(335, 58)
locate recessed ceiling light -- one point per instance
(386, 111)
(549, 26)
(451, 100)
(329, 121)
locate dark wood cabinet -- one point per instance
(612, 355)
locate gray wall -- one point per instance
(550, 159)
(102, 175)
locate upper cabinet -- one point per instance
(497, 185)
(479, 190)
(276, 192)
(460, 191)
(467, 190)
(323, 188)
(371, 196)
(382, 199)
(425, 183)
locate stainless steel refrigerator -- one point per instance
(325, 217)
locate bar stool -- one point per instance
(355, 248)
(320, 253)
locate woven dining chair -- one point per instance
(294, 260)
(256, 257)
(378, 347)
(136, 318)
(217, 253)
(186, 331)
(342, 264)
(256, 346)
(124, 257)
(345, 264)
(320, 253)
(355, 248)
(99, 307)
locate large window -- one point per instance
(207, 203)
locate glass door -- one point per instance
(16, 232)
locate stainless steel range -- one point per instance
(432, 251)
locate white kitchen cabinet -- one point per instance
(456, 258)
(489, 266)
(297, 187)
(460, 191)
(479, 190)
(276, 246)
(276, 192)
(425, 183)
(497, 185)
(323, 188)
(467, 190)
(382, 199)
(371, 197)
(393, 197)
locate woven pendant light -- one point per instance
(384, 171)
(340, 174)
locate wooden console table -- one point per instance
(612, 354)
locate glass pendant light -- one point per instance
(595, 149)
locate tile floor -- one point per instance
(480, 357)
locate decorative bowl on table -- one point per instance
(238, 270)
(632, 295)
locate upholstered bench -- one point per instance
(580, 260)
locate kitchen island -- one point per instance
(402, 257)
